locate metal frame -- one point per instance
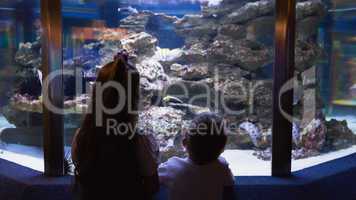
(283, 71)
(51, 19)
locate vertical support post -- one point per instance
(53, 146)
(282, 72)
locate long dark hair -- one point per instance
(99, 150)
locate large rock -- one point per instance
(29, 83)
(219, 10)
(338, 136)
(165, 124)
(233, 96)
(227, 71)
(233, 31)
(197, 53)
(306, 54)
(28, 55)
(198, 93)
(108, 50)
(167, 57)
(196, 72)
(250, 11)
(247, 54)
(313, 135)
(151, 69)
(153, 80)
(195, 28)
(141, 44)
(310, 8)
(138, 22)
(177, 69)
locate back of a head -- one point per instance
(117, 82)
(206, 138)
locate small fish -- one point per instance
(172, 99)
(128, 10)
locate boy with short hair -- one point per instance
(203, 175)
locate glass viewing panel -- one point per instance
(325, 99)
(193, 57)
(21, 133)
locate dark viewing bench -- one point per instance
(329, 181)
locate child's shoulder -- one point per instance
(175, 161)
(171, 169)
(223, 161)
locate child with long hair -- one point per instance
(110, 162)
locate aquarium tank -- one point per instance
(193, 56)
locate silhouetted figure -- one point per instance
(110, 164)
(203, 175)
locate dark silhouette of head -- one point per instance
(206, 138)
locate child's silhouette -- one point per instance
(203, 175)
(109, 165)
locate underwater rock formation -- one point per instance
(338, 136)
(138, 22)
(195, 72)
(28, 55)
(306, 54)
(226, 49)
(141, 44)
(249, 11)
(165, 124)
(313, 135)
(244, 53)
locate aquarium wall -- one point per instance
(193, 57)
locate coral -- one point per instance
(313, 135)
